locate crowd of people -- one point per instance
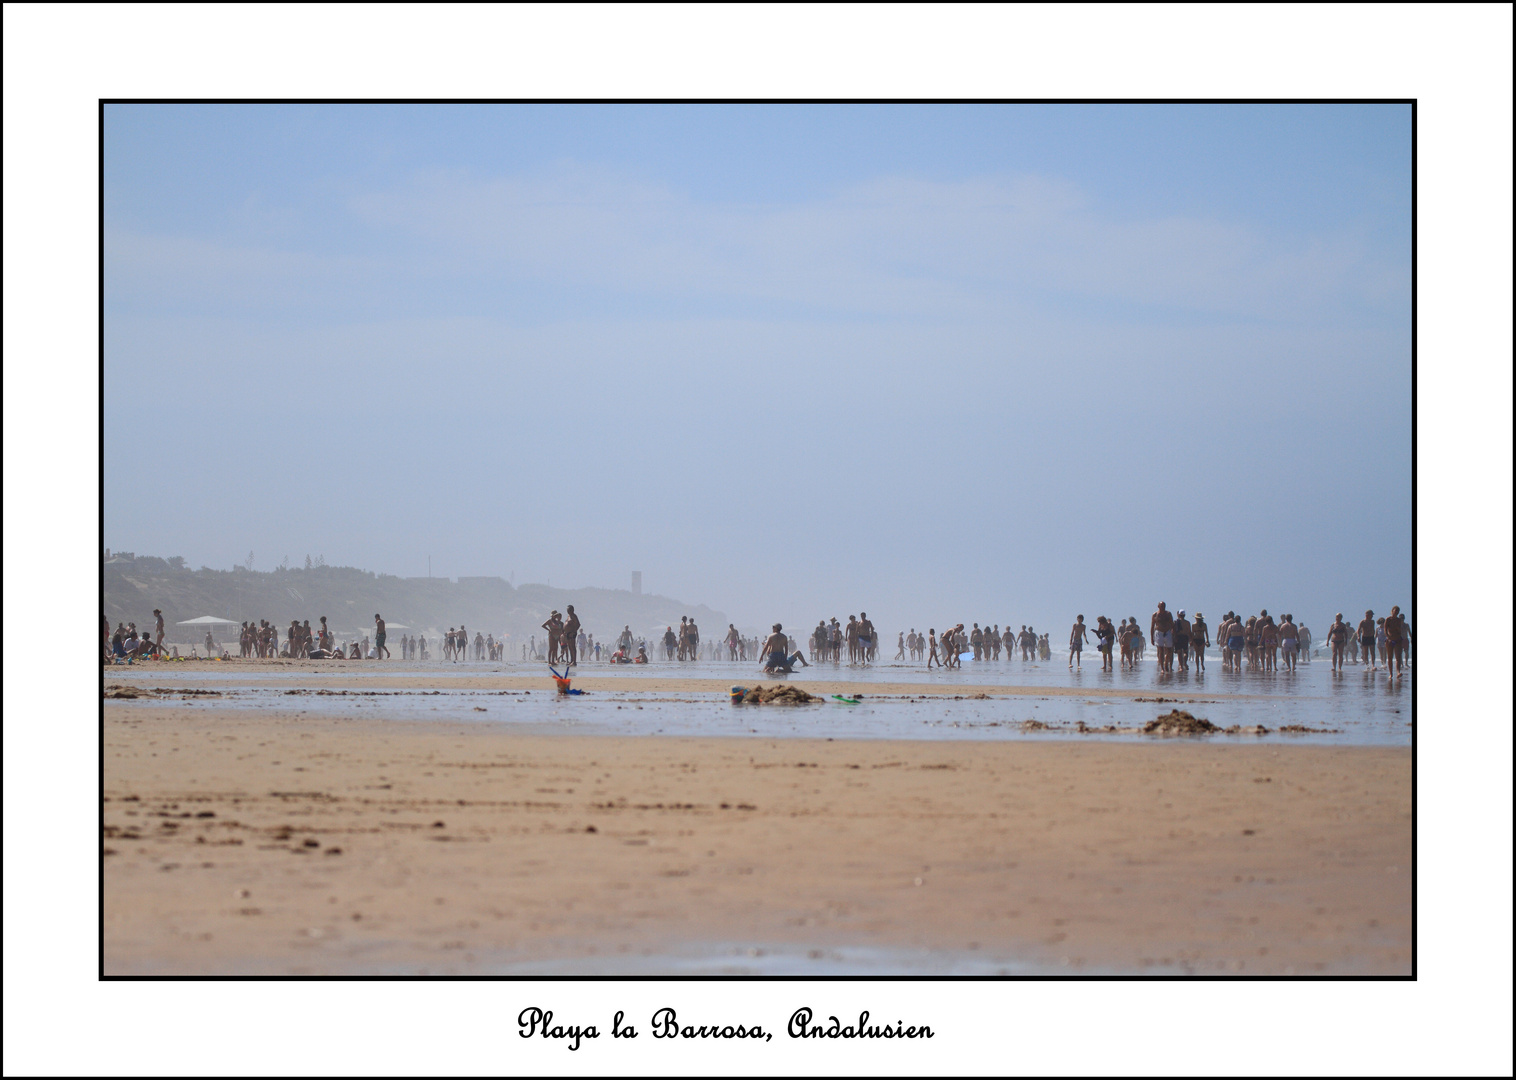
(1257, 642)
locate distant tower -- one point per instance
(636, 582)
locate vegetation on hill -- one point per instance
(349, 597)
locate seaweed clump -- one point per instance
(1179, 722)
(783, 694)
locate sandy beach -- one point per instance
(245, 841)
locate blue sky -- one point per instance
(996, 363)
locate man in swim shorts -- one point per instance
(1076, 641)
(1161, 627)
(380, 652)
(1289, 641)
(775, 655)
(1366, 639)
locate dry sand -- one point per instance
(242, 842)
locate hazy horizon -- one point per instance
(988, 362)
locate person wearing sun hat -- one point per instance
(1200, 638)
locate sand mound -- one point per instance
(778, 695)
(1179, 722)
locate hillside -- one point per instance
(349, 597)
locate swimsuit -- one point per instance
(1164, 639)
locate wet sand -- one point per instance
(311, 674)
(267, 842)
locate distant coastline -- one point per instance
(136, 584)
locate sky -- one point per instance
(994, 363)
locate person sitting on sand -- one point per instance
(775, 655)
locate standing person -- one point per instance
(1182, 640)
(1223, 638)
(1366, 639)
(900, 647)
(1337, 637)
(1161, 627)
(554, 629)
(867, 640)
(931, 637)
(1076, 641)
(380, 652)
(976, 642)
(1289, 641)
(1200, 639)
(460, 648)
(1268, 641)
(1396, 635)
(570, 637)
(1105, 638)
(670, 642)
(158, 628)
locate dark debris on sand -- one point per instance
(118, 691)
(1179, 722)
(783, 694)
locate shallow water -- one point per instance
(1361, 707)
